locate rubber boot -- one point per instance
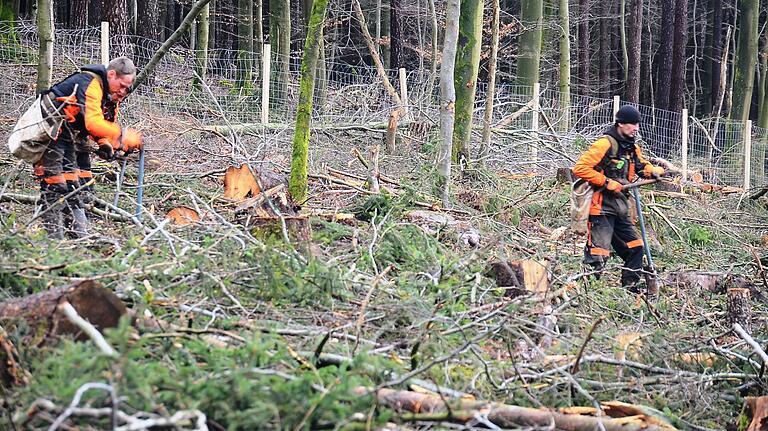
(52, 211)
(86, 192)
(79, 223)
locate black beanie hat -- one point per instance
(628, 115)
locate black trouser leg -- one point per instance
(599, 233)
(629, 247)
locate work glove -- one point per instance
(657, 172)
(613, 186)
(129, 141)
(105, 150)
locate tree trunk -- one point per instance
(623, 36)
(258, 34)
(395, 35)
(712, 52)
(746, 59)
(201, 53)
(529, 53)
(245, 46)
(97, 305)
(297, 186)
(433, 63)
(78, 14)
(584, 54)
(448, 96)
(465, 76)
(664, 59)
(491, 93)
(385, 42)
(604, 76)
(677, 92)
(634, 51)
(280, 38)
(45, 30)
(565, 66)
(115, 12)
(762, 97)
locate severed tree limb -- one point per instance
(434, 408)
(751, 341)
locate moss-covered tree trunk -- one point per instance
(201, 53)
(530, 42)
(746, 59)
(45, 50)
(465, 75)
(280, 38)
(565, 65)
(297, 185)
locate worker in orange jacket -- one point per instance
(90, 99)
(611, 161)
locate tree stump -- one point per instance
(520, 275)
(40, 311)
(738, 309)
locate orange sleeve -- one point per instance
(586, 166)
(642, 166)
(95, 123)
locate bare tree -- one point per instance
(448, 96)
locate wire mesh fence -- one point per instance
(231, 86)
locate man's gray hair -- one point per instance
(123, 66)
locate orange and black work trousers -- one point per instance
(58, 168)
(604, 231)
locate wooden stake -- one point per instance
(104, 43)
(266, 62)
(747, 154)
(684, 144)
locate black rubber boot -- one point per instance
(52, 210)
(75, 218)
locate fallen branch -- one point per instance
(428, 407)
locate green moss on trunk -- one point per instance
(465, 75)
(297, 185)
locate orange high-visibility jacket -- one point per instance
(89, 109)
(599, 163)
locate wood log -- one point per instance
(620, 416)
(713, 282)
(40, 311)
(738, 308)
(757, 409)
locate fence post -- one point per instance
(747, 153)
(684, 144)
(536, 100)
(534, 145)
(403, 90)
(265, 60)
(104, 43)
(616, 102)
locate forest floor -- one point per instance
(236, 326)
